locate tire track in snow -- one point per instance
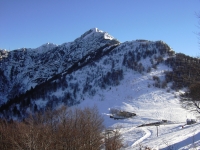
(148, 134)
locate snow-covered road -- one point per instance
(147, 134)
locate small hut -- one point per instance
(190, 121)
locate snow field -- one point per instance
(151, 105)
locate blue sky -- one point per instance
(31, 23)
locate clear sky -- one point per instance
(31, 23)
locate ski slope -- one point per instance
(151, 104)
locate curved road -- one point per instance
(148, 134)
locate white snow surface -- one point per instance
(151, 104)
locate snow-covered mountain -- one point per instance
(138, 76)
(26, 68)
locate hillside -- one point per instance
(140, 76)
(151, 104)
(32, 79)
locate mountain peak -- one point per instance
(96, 32)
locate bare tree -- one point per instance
(60, 129)
(113, 140)
(191, 99)
(4, 141)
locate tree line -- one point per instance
(61, 129)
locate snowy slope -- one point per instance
(136, 93)
(151, 105)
